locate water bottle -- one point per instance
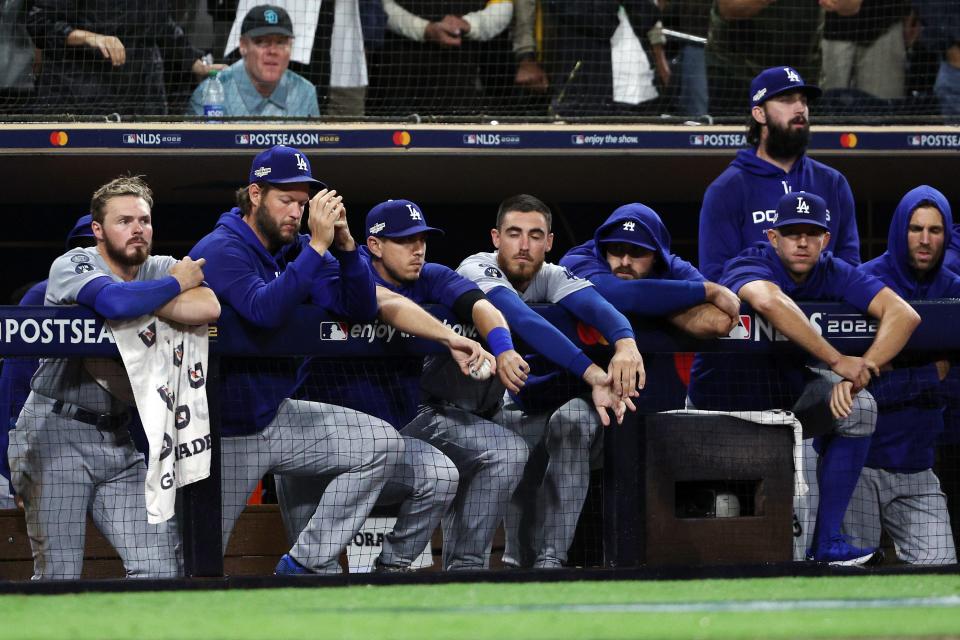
(213, 98)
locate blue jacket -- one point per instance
(741, 203)
(672, 285)
(265, 291)
(773, 381)
(388, 392)
(910, 396)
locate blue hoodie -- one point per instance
(265, 290)
(741, 204)
(910, 396)
(951, 257)
(773, 381)
(672, 285)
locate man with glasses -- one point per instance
(260, 83)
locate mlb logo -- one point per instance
(333, 330)
(470, 138)
(242, 138)
(914, 141)
(577, 139)
(129, 138)
(742, 330)
(696, 141)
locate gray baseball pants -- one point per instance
(64, 469)
(490, 460)
(311, 439)
(423, 484)
(911, 507)
(542, 517)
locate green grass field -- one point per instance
(899, 606)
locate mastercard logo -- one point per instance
(59, 138)
(401, 138)
(848, 140)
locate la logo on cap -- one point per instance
(792, 75)
(301, 162)
(414, 214)
(271, 16)
(802, 206)
(629, 226)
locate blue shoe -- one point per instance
(840, 553)
(290, 567)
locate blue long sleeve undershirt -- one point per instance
(649, 297)
(591, 307)
(125, 300)
(546, 339)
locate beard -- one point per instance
(120, 255)
(786, 143)
(269, 228)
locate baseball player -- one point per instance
(488, 457)
(739, 206)
(898, 490)
(547, 502)
(264, 269)
(16, 373)
(830, 401)
(71, 452)
(630, 263)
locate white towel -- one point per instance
(166, 363)
(632, 75)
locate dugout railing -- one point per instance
(628, 513)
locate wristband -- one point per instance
(499, 340)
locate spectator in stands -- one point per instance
(102, 56)
(691, 18)
(17, 52)
(941, 31)
(444, 57)
(829, 399)
(329, 47)
(260, 84)
(71, 453)
(898, 491)
(263, 269)
(542, 517)
(489, 458)
(530, 76)
(747, 36)
(740, 204)
(599, 65)
(865, 52)
(16, 372)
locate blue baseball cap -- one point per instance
(776, 80)
(81, 229)
(801, 207)
(631, 232)
(397, 219)
(282, 165)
